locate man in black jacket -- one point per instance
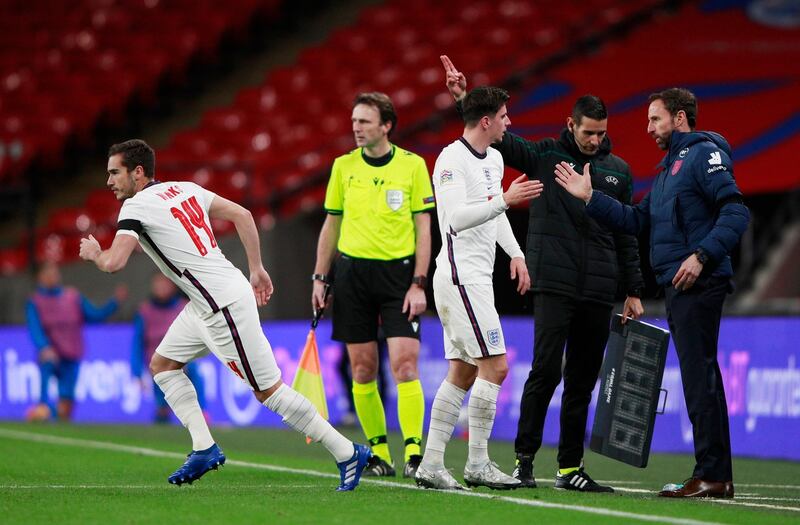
(576, 266)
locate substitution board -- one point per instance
(629, 391)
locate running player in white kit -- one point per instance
(172, 223)
(471, 207)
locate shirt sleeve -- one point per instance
(35, 327)
(131, 218)
(421, 190)
(717, 182)
(208, 197)
(334, 195)
(506, 239)
(451, 195)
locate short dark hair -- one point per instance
(589, 106)
(483, 101)
(136, 152)
(382, 103)
(678, 99)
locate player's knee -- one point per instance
(405, 371)
(158, 364)
(263, 395)
(498, 371)
(364, 372)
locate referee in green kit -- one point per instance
(377, 201)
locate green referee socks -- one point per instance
(411, 412)
(369, 409)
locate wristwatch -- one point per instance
(702, 256)
(636, 292)
(420, 280)
(320, 277)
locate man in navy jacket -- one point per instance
(695, 215)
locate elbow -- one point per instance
(243, 217)
(111, 266)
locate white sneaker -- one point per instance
(437, 479)
(488, 475)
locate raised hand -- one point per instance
(576, 184)
(522, 189)
(455, 79)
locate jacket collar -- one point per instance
(681, 140)
(567, 139)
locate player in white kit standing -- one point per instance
(172, 223)
(471, 208)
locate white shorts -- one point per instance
(233, 334)
(471, 325)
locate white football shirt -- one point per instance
(171, 222)
(471, 213)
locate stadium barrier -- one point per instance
(758, 358)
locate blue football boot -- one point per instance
(351, 469)
(198, 463)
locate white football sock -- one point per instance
(482, 408)
(301, 415)
(182, 398)
(444, 415)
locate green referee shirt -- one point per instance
(378, 203)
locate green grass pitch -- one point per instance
(58, 474)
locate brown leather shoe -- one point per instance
(699, 488)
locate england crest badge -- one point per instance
(493, 336)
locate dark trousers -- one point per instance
(694, 317)
(583, 327)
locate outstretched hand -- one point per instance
(455, 79)
(522, 189)
(262, 286)
(578, 185)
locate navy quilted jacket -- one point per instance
(694, 203)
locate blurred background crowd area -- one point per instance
(252, 99)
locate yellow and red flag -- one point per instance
(308, 379)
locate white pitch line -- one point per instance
(634, 491)
(741, 499)
(765, 498)
(57, 440)
(760, 505)
(766, 486)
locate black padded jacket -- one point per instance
(568, 252)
